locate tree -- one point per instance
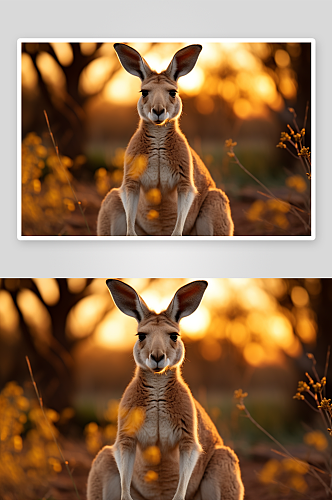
(65, 109)
(51, 357)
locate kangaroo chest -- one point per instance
(159, 172)
(159, 427)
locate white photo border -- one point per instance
(201, 40)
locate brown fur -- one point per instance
(158, 157)
(193, 462)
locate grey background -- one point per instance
(182, 18)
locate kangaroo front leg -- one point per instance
(130, 196)
(185, 199)
(125, 458)
(188, 460)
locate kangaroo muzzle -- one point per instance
(157, 362)
(158, 116)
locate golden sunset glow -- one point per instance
(51, 71)
(29, 73)
(96, 74)
(300, 296)
(76, 285)
(196, 325)
(262, 331)
(234, 72)
(64, 52)
(83, 317)
(192, 83)
(116, 331)
(122, 89)
(9, 318)
(243, 312)
(48, 289)
(34, 312)
(88, 48)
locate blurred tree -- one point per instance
(248, 79)
(65, 107)
(257, 322)
(320, 293)
(50, 354)
(322, 307)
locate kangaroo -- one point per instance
(166, 188)
(166, 447)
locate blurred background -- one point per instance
(249, 92)
(252, 334)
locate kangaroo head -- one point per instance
(159, 101)
(159, 345)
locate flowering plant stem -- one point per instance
(40, 401)
(292, 209)
(311, 469)
(79, 204)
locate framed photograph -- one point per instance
(166, 138)
(240, 366)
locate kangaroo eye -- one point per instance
(141, 336)
(172, 93)
(174, 336)
(144, 93)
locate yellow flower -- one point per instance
(153, 214)
(269, 471)
(229, 143)
(284, 137)
(132, 420)
(152, 455)
(325, 404)
(298, 396)
(296, 182)
(304, 152)
(316, 439)
(151, 476)
(295, 465)
(238, 394)
(291, 130)
(303, 386)
(256, 210)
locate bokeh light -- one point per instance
(245, 313)
(235, 72)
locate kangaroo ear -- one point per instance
(186, 300)
(127, 300)
(183, 61)
(132, 61)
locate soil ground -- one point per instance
(74, 224)
(80, 459)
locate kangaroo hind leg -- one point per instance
(222, 477)
(104, 477)
(214, 218)
(112, 218)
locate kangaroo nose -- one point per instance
(157, 357)
(158, 112)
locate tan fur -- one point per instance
(193, 463)
(158, 157)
